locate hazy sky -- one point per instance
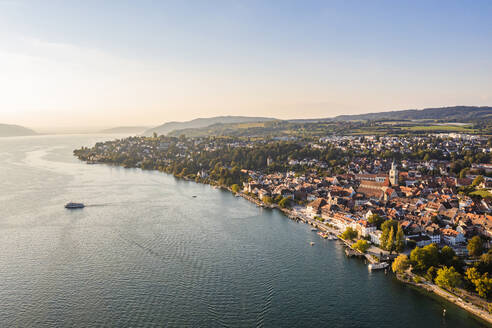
(110, 63)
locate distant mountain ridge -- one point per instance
(165, 128)
(10, 130)
(456, 113)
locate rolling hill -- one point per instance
(198, 123)
(8, 130)
(456, 113)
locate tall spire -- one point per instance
(393, 174)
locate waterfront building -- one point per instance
(375, 236)
(314, 208)
(421, 241)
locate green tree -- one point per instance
(184, 172)
(424, 258)
(383, 240)
(431, 273)
(463, 173)
(235, 188)
(446, 255)
(400, 264)
(278, 199)
(267, 200)
(349, 234)
(399, 240)
(482, 282)
(478, 180)
(475, 246)
(447, 277)
(388, 224)
(375, 220)
(390, 245)
(285, 202)
(485, 264)
(386, 227)
(361, 245)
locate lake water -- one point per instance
(145, 253)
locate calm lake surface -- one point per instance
(145, 253)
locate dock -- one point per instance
(353, 253)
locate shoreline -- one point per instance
(435, 290)
(472, 309)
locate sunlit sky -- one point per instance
(112, 63)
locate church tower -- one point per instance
(393, 174)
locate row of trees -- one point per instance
(480, 281)
(281, 201)
(392, 237)
(446, 269)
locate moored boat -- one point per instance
(378, 266)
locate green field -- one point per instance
(448, 128)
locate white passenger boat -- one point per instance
(377, 266)
(72, 206)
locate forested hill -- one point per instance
(456, 113)
(7, 130)
(165, 128)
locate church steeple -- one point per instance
(393, 174)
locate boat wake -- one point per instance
(125, 204)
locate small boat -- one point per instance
(237, 195)
(72, 206)
(311, 243)
(193, 196)
(314, 229)
(378, 266)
